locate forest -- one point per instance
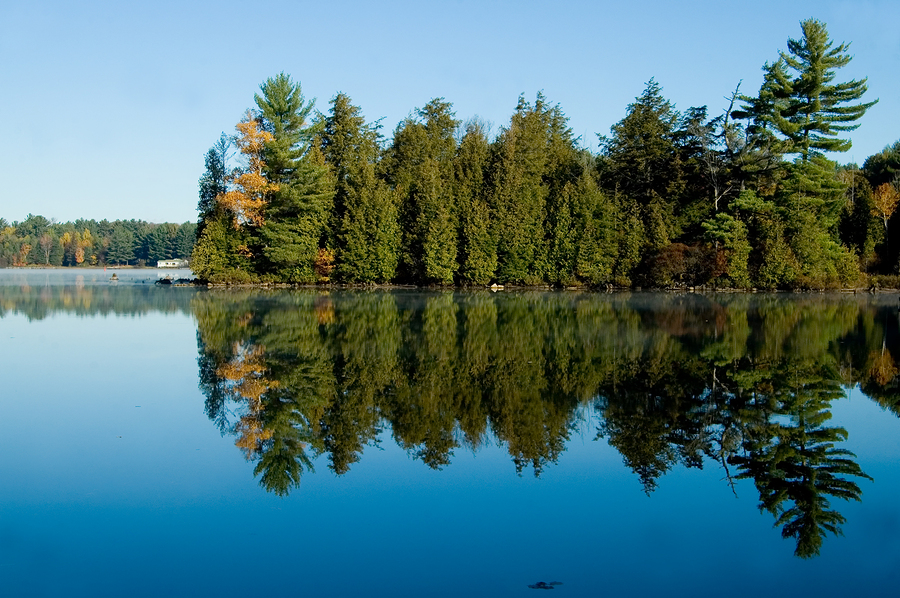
(37, 241)
(751, 197)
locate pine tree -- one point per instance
(297, 210)
(121, 246)
(801, 102)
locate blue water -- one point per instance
(115, 483)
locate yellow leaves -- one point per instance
(324, 264)
(247, 200)
(252, 140)
(886, 199)
(251, 434)
(883, 368)
(23, 254)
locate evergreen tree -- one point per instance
(640, 156)
(157, 245)
(803, 104)
(858, 228)
(419, 165)
(364, 224)
(884, 167)
(810, 203)
(214, 181)
(477, 246)
(594, 225)
(532, 162)
(183, 241)
(121, 246)
(640, 164)
(297, 210)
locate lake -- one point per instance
(161, 440)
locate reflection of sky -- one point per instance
(115, 483)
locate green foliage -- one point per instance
(284, 113)
(737, 248)
(214, 181)
(672, 198)
(121, 247)
(640, 153)
(596, 246)
(297, 212)
(220, 255)
(364, 216)
(883, 167)
(630, 239)
(533, 160)
(859, 229)
(477, 245)
(810, 203)
(799, 99)
(419, 165)
(370, 234)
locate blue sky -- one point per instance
(110, 106)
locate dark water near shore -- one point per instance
(178, 441)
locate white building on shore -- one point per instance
(172, 264)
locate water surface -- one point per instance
(178, 441)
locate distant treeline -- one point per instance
(743, 198)
(38, 241)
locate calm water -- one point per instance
(176, 441)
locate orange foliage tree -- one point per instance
(247, 199)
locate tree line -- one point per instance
(42, 242)
(739, 199)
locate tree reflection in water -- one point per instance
(744, 382)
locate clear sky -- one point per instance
(111, 106)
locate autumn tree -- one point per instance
(223, 250)
(885, 202)
(246, 198)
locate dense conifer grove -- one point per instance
(37, 241)
(746, 198)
